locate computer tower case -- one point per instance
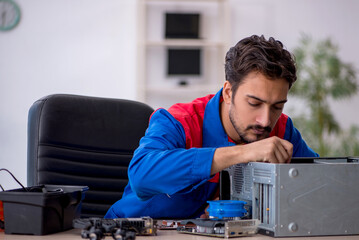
(308, 197)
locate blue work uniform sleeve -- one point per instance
(162, 164)
(300, 148)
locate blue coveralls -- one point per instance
(169, 175)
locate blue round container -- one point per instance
(226, 209)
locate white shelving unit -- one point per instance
(154, 86)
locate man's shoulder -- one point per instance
(196, 108)
(191, 116)
(280, 127)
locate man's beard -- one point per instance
(243, 134)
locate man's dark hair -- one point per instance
(260, 55)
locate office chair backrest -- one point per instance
(85, 141)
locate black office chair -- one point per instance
(85, 141)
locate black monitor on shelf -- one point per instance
(183, 62)
(182, 25)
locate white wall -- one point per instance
(88, 47)
(85, 47)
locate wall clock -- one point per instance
(9, 15)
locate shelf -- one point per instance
(154, 86)
(185, 43)
(184, 1)
(189, 89)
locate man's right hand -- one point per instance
(272, 150)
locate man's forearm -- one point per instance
(225, 157)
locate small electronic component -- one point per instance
(167, 224)
(219, 228)
(118, 228)
(225, 220)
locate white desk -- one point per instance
(161, 235)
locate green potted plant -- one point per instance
(322, 75)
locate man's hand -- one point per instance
(273, 150)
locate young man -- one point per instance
(175, 169)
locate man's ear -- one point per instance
(227, 92)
